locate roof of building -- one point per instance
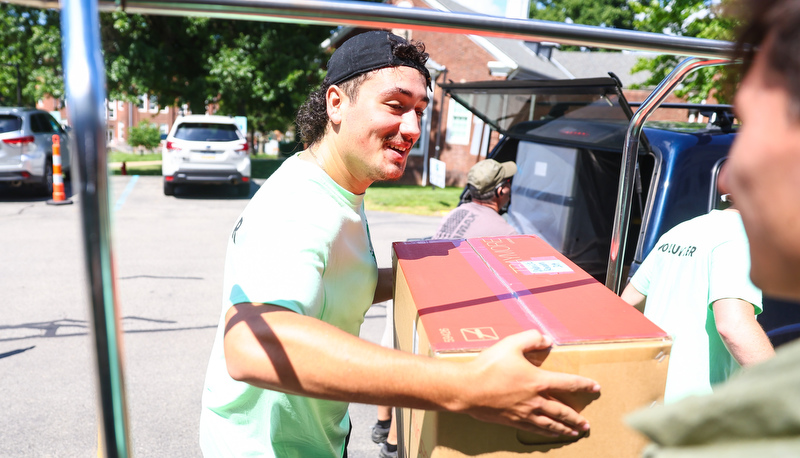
(530, 60)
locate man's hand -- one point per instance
(509, 390)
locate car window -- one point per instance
(207, 132)
(54, 125)
(9, 123)
(40, 125)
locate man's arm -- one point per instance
(744, 338)
(633, 297)
(274, 348)
(385, 286)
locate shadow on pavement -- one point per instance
(9, 193)
(200, 192)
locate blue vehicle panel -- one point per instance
(686, 183)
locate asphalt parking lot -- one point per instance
(168, 257)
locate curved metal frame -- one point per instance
(622, 214)
(85, 83)
(373, 15)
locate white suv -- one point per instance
(205, 149)
(26, 148)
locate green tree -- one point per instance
(31, 39)
(616, 14)
(157, 55)
(268, 71)
(692, 18)
(607, 13)
(145, 134)
(258, 69)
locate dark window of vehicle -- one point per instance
(567, 196)
(582, 113)
(54, 125)
(207, 132)
(10, 123)
(40, 124)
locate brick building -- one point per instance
(122, 115)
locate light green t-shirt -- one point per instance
(693, 265)
(301, 243)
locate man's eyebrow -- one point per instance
(399, 90)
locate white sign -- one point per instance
(241, 122)
(438, 173)
(546, 266)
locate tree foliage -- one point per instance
(145, 134)
(607, 13)
(692, 18)
(30, 39)
(258, 69)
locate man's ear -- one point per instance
(335, 98)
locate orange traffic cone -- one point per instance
(59, 197)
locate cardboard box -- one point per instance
(454, 298)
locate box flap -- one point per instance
(471, 293)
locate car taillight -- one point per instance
(171, 146)
(242, 149)
(19, 140)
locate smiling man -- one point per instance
(300, 274)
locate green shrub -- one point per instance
(145, 134)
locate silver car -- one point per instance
(205, 149)
(26, 148)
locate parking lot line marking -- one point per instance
(124, 195)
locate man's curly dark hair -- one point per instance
(312, 117)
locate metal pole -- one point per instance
(374, 15)
(84, 80)
(622, 215)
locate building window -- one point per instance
(121, 105)
(459, 121)
(110, 135)
(141, 102)
(121, 131)
(153, 104)
(111, 108)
